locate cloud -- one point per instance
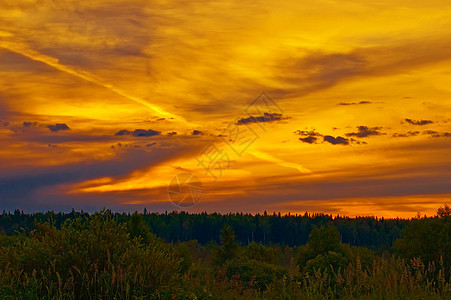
(143, 132)
(4, 124)
(355, 103)
(138, 132)
(171, 133)
(430, 132)
(443, 134)
(123, 132)
(407, 134)
(436, 134)
(336, 141)
(57, 127)
(267, 117)
(196, 132)
(30, 124)
(52, 127)
(418, 122)
(309, 133)
(354, 141)
(309, 139)
(320, 70)
(365, 131)
(44, 187)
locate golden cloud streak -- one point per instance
(269, 158)
(54, 62)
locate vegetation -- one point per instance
(122, 256)
(291, 230)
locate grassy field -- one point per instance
(96, 257)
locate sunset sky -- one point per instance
(102, 103)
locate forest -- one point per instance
(178, 255)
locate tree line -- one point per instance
(275, 228)
(107, 255)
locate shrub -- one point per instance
(89, 258)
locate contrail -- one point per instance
(54, 62)
(270, 158)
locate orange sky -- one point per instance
(358, 121)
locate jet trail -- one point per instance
(54, 62)
(270, 158)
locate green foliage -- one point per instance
(291, 230)
(260, 252)
(428, 239)
(326, 262)
(321, 241)
(324, 239)
(6, 240)
(253, 273)
(88, 259)
(183, 251)
(229, 248)
(138, 228)
(111, 256)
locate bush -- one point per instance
(329, 261)
(88, 259)
(261, 253)
(254, 273)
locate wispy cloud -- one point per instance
(418, 122)
(355, 103)
(365, 131)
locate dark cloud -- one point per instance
(19, 187)
(30, 124)
(443, 134)
(430, 132)
(196, 132)
(437, 134)
(407, 134)
(123, 132)
(309, 139)
(267, 117)
(418, 122)
(52, 127)
(358, 142)
(336, 141)
(4, 124)
(308, 133)
(434, 179)
(365, 131)
(30, 188)
(143, 132)
(57, 127)
(138, 132)
(171, 133)
(355, 103)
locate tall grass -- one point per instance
(86, 259)
(97, 258)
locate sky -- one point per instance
(339, 107)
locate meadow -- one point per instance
(118, 256)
